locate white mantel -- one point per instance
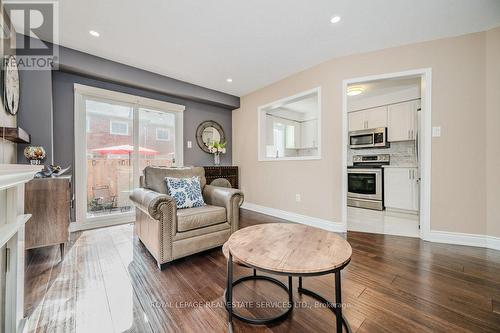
(15, 174)
(12, 221)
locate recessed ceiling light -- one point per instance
(335, 19)
(229, 80)
(94, 33)
(355, 90)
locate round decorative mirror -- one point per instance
(209, 132)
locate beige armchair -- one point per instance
(170, 233)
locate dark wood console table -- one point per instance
(48, 200)
(222, 171)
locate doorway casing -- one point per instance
(425, 142)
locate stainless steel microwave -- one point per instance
(370, 138)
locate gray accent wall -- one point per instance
(82, 63)
(195, 113)
(35, 111)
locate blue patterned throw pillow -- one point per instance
(185, 191)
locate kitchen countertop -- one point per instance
(400, 166)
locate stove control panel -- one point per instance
(380, 158)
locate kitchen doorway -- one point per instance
(386, 155)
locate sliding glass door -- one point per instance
(116, 137)
(109, 156)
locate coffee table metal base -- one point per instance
(263, 321)
(336, 307)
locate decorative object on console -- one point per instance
(230, 173)
(48, 200)
(34, 154)
(209, 132)
(217, 149)
(185, 191)
(10, 85)
(51, 171)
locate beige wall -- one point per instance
(493, 131)
(458, 105)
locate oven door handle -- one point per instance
(377, 172)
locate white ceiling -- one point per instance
(385, 87)
(260, 41)
(299, 109)
(306, 104)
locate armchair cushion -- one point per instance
(199, 217)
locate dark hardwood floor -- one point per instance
(108, 282)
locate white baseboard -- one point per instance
(459, 238)
(298, 218)
(80, 226)
(494, 243)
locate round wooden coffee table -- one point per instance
(287, 249)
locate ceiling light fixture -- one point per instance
(335, 19)
(229, 80)
(355, 90)
(94, 33)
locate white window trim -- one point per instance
(81, 93)
(127, 98)
(111, 122)
(261, 152)
(163, 129)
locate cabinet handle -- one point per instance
(408, 134)
(409, 174)
(7, 260)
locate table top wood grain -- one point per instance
(288, 248)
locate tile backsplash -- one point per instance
(402, 153)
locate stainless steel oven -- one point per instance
(370, 138)
(365, 182)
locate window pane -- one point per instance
(156, 138)
(290, 137)
(279, 139)
(119, 128)
(109, 152)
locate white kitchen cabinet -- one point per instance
(369, 118)
(401, 190)
(376, 117)
(402, 121)
(309, 134)
(357, 121)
